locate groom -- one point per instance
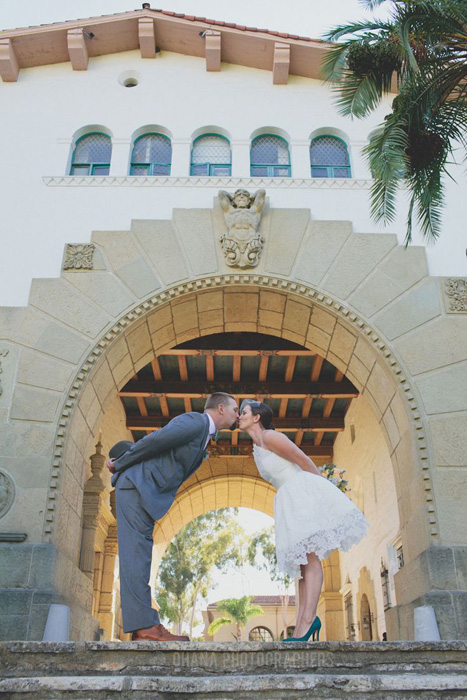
(146, 476)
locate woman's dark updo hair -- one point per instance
(261, 409)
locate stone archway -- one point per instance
(299, 318)
(358, 300)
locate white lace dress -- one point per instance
(311, 514)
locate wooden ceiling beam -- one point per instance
(263, 366)
(237, 368)
(311, 424)
(276, 389)
(316, 369)
(242, 353)
(156, 369)
(183, 368)
(209, 367)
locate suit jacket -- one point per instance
(159, 463)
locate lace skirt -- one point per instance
(313, 516)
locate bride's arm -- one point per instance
(282, 446)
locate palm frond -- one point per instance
(333, 63)
(358, 96)
(356, 28)
(218, 623)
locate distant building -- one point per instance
(264, 628)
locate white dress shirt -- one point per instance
(212, 430)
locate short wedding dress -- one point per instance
(311, 514)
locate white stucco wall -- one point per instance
(50, 104)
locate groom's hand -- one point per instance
(110, 465)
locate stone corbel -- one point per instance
(212, 40)
(77, 49)
(281, 65)
(9, 67)
(147, 37)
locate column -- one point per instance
(300, 159)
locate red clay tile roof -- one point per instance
(179, 15)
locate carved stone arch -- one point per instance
(359, 300)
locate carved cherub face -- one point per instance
(241, 199)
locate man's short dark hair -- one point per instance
(216, 399)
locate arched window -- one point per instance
(152, 155)
(210, 155)
(269, 157)
(329, 157)
(92, 155)
(261, 634)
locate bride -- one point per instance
(312, 516)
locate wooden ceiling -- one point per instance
(308, 395)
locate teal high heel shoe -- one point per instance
(313, 630)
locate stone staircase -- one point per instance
(232, 671)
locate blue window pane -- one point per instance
(319, 172)
(220, 170)
(341, 172)
(140, 169)
(200, 169)
(210, 149)
(259, 171)
(161, 169)
(269, 150)
(152, 148)
(94, 148)
(100, 170)
(328, 150)
(80, 170)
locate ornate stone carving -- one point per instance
(242, 245)
(79, 257)
(456, 291)
(3, 353)
(7, 492)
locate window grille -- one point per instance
(329, 157)
(269, 157)
(210, 156)
(152, 155)
(92, 155)
(261, 634)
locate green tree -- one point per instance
(421, 49)
(262, 554)
(239, 610)
(211, 541)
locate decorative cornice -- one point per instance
(285, 183)
(455, 291)
(260, 281)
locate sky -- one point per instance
(305, 17)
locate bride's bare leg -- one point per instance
(312, 573)
(301, 599)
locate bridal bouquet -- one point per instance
(335, 476)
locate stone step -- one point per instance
(244, 687)
(198, 659)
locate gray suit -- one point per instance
(146, 479)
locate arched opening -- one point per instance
(367, 634)
(317, 418)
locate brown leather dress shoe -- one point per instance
(157, 633)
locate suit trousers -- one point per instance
(135, 541)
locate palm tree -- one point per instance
(239, 610)
(421, 51)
